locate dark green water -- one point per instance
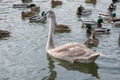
(23, 55)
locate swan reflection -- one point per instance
(88, 68)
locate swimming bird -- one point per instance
(55, 3)
(4, 33)
(71, 52)
(38, 18)
(90, 1)
(28, 13)
(61, 27)
(35, 9)
(92, 41)
(82, 11)
(23, 5)
(112, 7)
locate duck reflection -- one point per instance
(26, 1)
(89, 68)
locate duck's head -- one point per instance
(32, 5)
(113, 14)
(43, 13)
(89, 26)
(50, 14)
(99, 20)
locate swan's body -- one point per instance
(55, 3)
(4, 33)
(71, 52)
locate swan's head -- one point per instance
(50, 14)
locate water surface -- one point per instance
(23, 55)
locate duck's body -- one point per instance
(86, 12)
(4, 33)
(102, 30)
(38, 18)
(82, 11)
(92, 41)
(86, 22)
(55, 3)
(71, 52)
(28, 13)
(90, 1)
(35, 9)
(104, 16)
(23, 5)
(116, 21)
(62, 28)
(112, 7)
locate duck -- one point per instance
(35, 9)
(96, 29)
(114, 19)
(38, 18)
(105, 16)
(55, 3)
(4, 33)
(112, 7)
(85, 22)
(23, 5)
(60, 28)
(28, 13)
(82, 11)
(92, 41)
(70, 52)
(90, 1)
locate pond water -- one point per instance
(23, 55)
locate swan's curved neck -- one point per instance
(50, 41)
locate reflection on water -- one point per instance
(26, 1)
(24, 50)
(51, 66)
(90, 68)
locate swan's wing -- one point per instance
(74, 52)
